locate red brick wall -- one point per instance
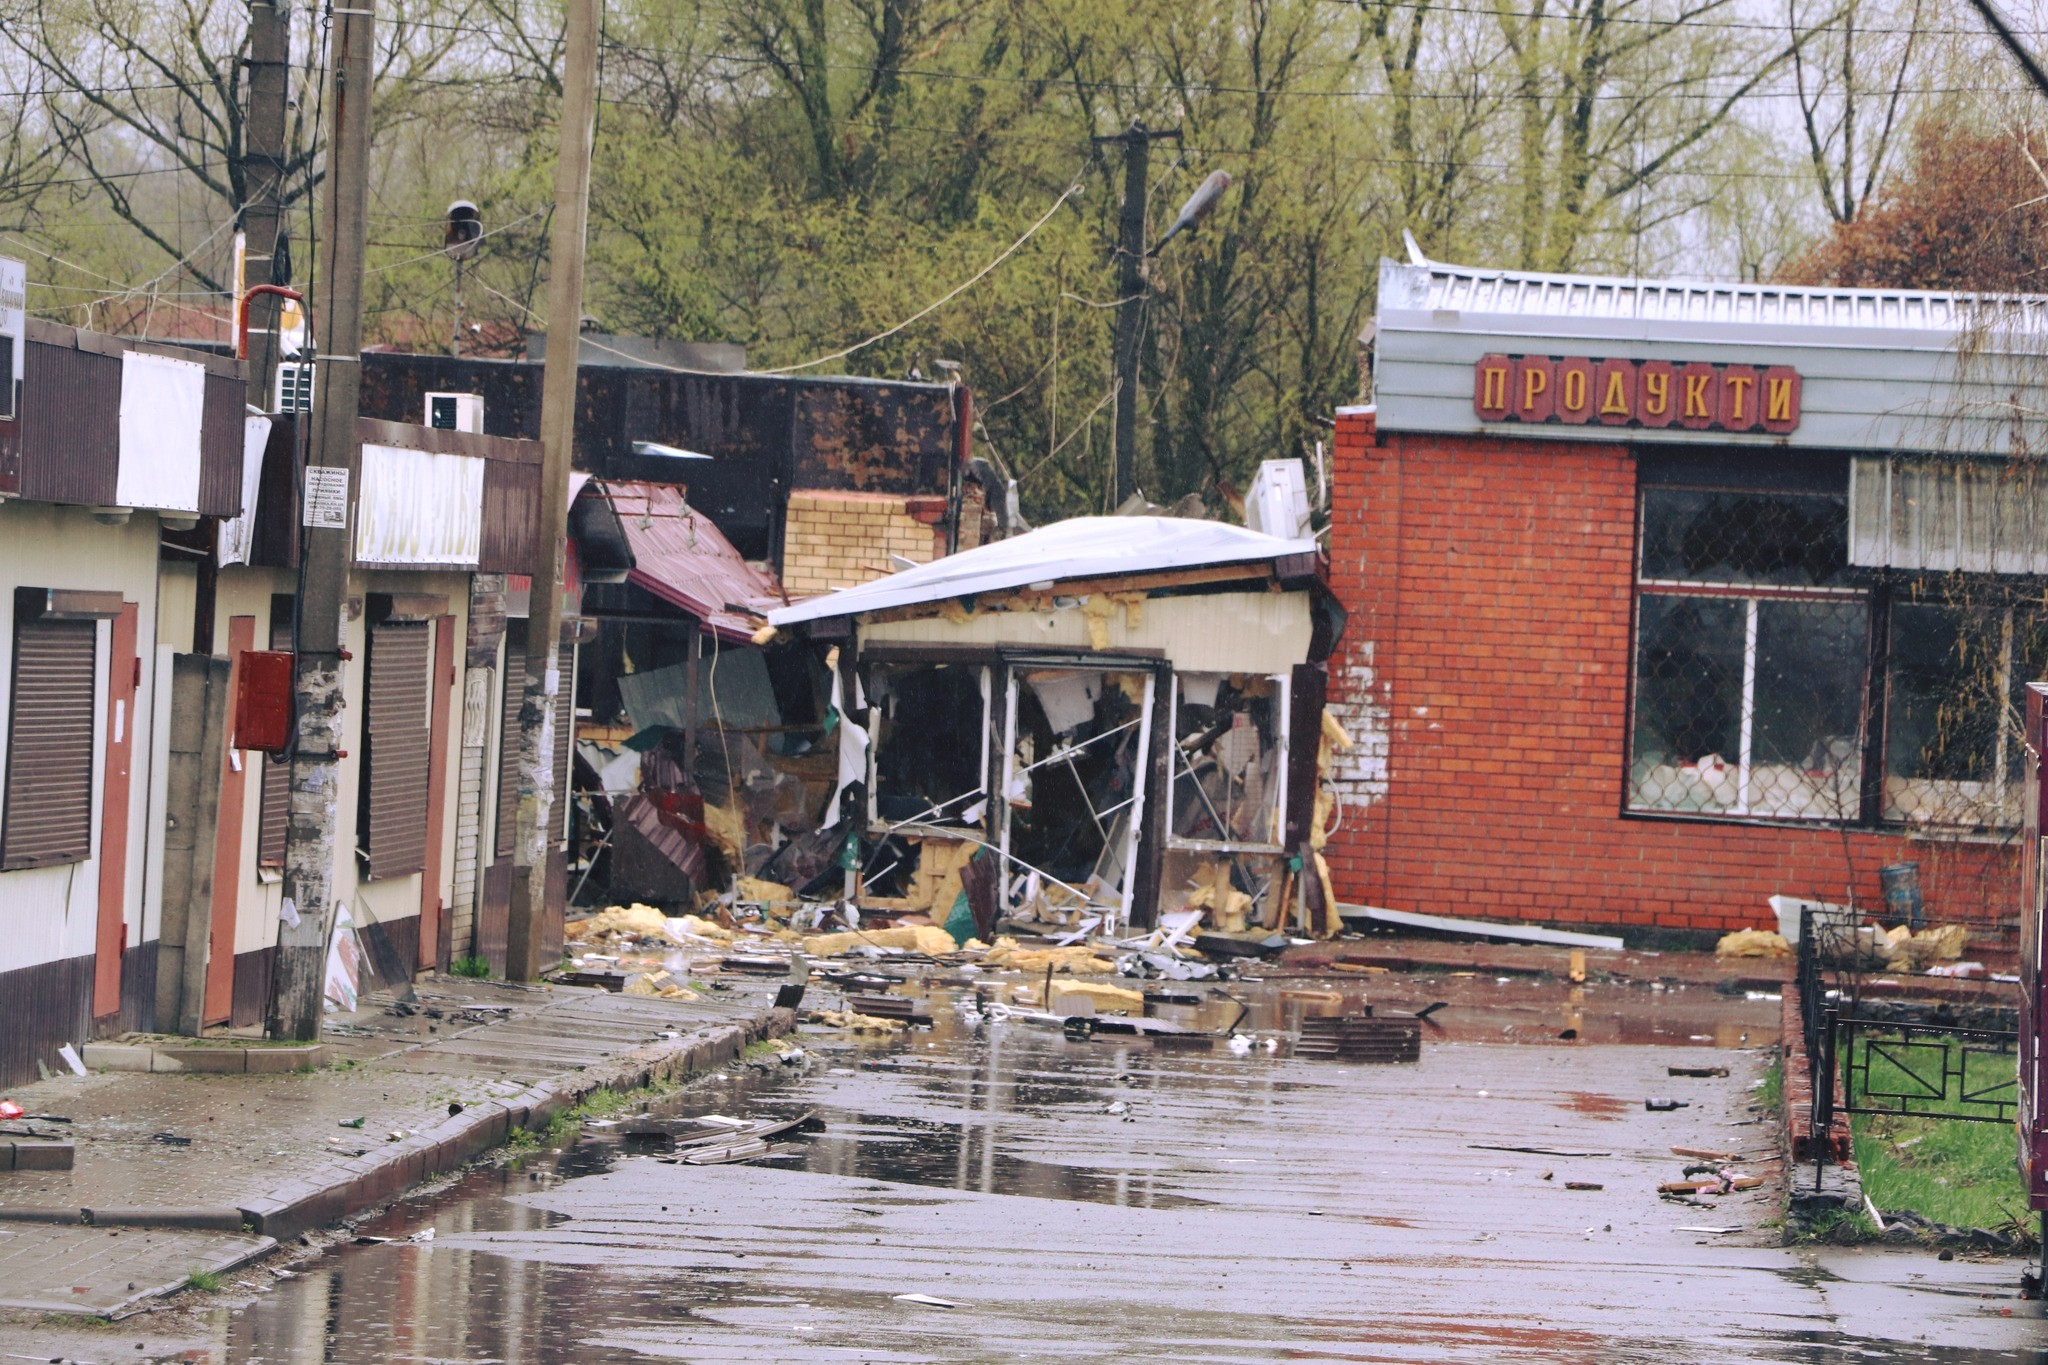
(1485, 673)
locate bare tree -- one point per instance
(136, 88)
(1852, 82)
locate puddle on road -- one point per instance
(959, 1112)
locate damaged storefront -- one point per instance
(1081, 728)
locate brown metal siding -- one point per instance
(222, 424)
(71, 425)
(48, 816)
(511, 518)
(396, 749)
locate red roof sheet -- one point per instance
(683, 559)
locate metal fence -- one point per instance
(1891, 1067)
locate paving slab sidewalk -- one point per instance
(184, 1172)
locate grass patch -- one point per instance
(473, 967)
(1839, 1227)
(1771, 1094)
(205, 1281)
(1962, 1174)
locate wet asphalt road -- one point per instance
(1104, 1201)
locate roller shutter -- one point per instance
(48, 817)
(277, 777)
(397, 741)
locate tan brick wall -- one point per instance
(835, 540)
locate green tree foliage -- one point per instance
(803, 175)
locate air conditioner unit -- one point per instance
(294, 386)
(456, 412)
(1278, 502)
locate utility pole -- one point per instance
(538, 816)
(1132, 277)
(263, 152)
(312, 835)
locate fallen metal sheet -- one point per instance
(1080, 547)
(1479, 928)
(1360, 1038)
(889, 1007)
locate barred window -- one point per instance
(1752, 648)
(1955, 678)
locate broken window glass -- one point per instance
(1955, 680)
(931, 741)
(1229, 765)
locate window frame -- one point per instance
(1863, 589)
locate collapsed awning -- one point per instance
(1083, 547)
(681, 558)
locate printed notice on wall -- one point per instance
(326, 498)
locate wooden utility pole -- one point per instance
(263, 155)
(538, 812)
(1131, 285)
(312, 836)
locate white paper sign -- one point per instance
(13, 327)
(326, 498)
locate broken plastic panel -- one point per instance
(1229, 762)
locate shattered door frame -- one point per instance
(1177, 765)
(1014, 669)
(934, 819)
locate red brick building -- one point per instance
(1668, 597)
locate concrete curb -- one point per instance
(333, 1192)
(1838, 1187)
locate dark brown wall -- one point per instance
(71, 425)
(765, 434)
(42, 1008)
(220, 445)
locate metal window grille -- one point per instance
(1751, 656)
(1955, 680)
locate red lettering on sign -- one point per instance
(1737, 410)
(1574, 391)
(1534, 389)
(1699, 395)
(1615, 382)
(1656, 394)
(1780, 399)
(1490, 380)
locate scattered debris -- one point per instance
(1583, 1185)
(1361, 1038)
(854, 1022)
(1660, 1105)
(1696, 1071)
(1479, 928)
(1533, 1151)
(928, 1301)
(1753, 943)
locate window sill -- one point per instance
(1897, 829)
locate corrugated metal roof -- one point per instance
(680, 557)
(1437, 286)
(1081, 547)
